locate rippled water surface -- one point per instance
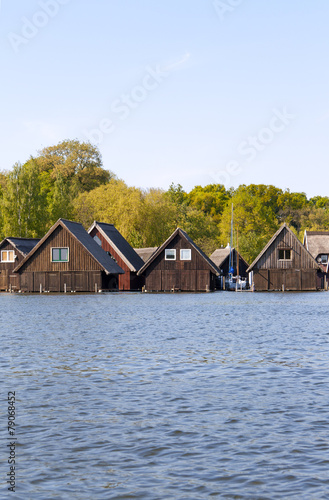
(167, 396)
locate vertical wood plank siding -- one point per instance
(300, 258)
(127, 281)
(298, 273)
(81, 273)
(7, 278)
(193, 275)
(79, 258)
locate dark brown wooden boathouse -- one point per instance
(112, 241)
(68, 259)
(179, 264)
(284, 264)
(317, 243)
(145, 253)
(221, 258)
(12, 252)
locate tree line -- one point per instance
(68, 180)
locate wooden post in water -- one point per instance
(40, 287)
(95, 287)
(64, 287)
(282, 287)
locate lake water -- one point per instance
(167, 396)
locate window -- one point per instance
(284, 254)
(170, 254)
(323, 258)
(8, 256)
(59, 254)
(98, 240)
(185, 254)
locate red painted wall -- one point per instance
(127, 281)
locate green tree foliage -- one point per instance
(144, 218)
(314, 219)
(67, 169)
(292, 207)
(319, 202)
(176, 194)
(3, 183)
(60, 200)
(194, 218)
(34, 195)
(211, 199)
(68, 180)
(202, 229)
(79, 162)
(158, 217)
(23, 203)
(255, 221)
(115, 203)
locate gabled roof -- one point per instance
(221, 254)
(183, 234)
(145, 253)
(22, 245)
(317, 242)
(119, 244)
(80, 234)
(274, 237)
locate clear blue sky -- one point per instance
(184, 91)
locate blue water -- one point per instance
(167, 396)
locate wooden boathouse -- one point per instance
(317, 243)
(67, 259)
(145, 253)
(179, 265)
(12, 252)
(284, 264)
(115, 245)
(221, 258)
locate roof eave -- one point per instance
(178, 230)
(38, 245)
(122, 256)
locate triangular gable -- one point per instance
(273, 239)
(119, 244)
(183, 234)
(78, 232)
